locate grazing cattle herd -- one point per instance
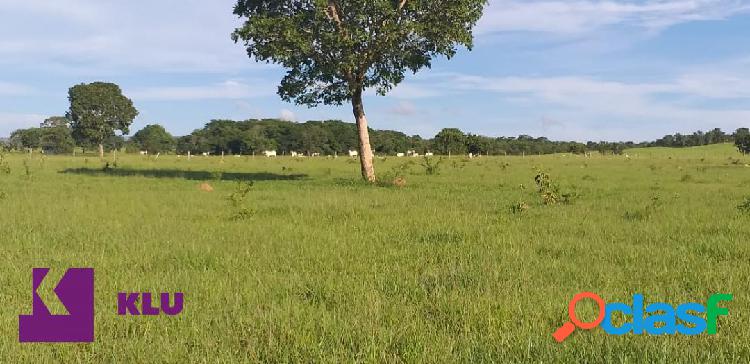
(352, 154)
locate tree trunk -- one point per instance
(365, 150)
(101, 151)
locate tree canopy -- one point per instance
(335, 49)
(742, 140)
(332, 48)
(154, 139)
(97, 110)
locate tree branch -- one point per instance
(401, 4)
(333, 12)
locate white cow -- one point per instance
(269, 153)
(429, 154)
(294, 154)
(144, 152)
(316, 154)
(400, 155)
(353, 153)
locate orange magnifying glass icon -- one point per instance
(565, 330)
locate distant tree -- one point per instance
(477, 144)
(97, 110)
(194, 143)
(256, 141)
(577, 148)
(26, 138)
(450, 141)
(154, 139)
(55, 121)
(224, 136)
(334, 50)
(56, 140)
(742, 140)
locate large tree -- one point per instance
(97, 110)
(450, 141)
(55, 121)
(154, 139)
(742, 140)
(335, 49)
(26, 138)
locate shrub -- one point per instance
(4, 165)
(238, 201)
(549, 190)
(27, 169)
(519, 208)
(431, 165)
(396, 177)
(744, 207)
(646, 212)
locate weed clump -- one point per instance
(238, 201)
(4, 165)
(396, 177)
(431, 166)
(519, 208)
(646, 212)
(744, 207)
(550, 191)
(27, 169)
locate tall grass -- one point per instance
(329, 269)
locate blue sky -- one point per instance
(572, 70)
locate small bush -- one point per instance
(396, 177)
(27, 169)
(646, 212)
(550, 191)
(744, 207)
(238, 201)
(519, 208)
(431, 165)
(4, 165)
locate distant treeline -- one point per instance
(332, 137)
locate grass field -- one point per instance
(323, 268)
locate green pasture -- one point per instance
(310, 265)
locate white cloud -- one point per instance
(403, 108)
(226, 90)
(581, 107)
(14, 89)
(580, 16)
(411, 91)
(287, 115)
(91, 36)
(13, 121)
